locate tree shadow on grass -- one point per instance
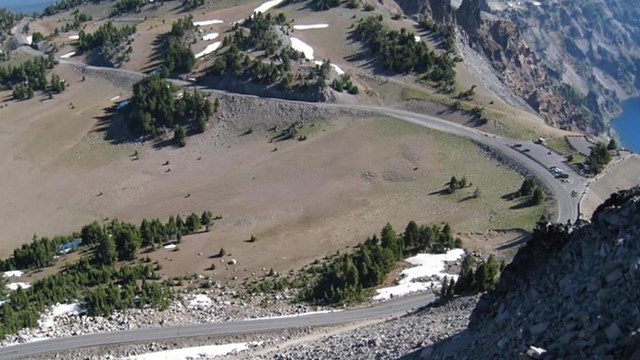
(442, 192)
(157, 55)
(523, 204)
(113, 126)
(515, 242)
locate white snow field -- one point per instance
(301, 46)
(199, 300)
(16, 285)
(210, 36)
(198, 352)
(425, 266)
(67, 55)
(209, 49)
(47, 319)
(207, 22)
(309, 27)
(266, 6)
(13, 273)
(334, 66)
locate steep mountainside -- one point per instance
(592, 46)
(572, 292)
(572, 62)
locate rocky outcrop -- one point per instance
(468, 16)
(591, 49)
(439, 11)
(572, 292)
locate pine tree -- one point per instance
(179, 136)
(537, 197)
(206, 219)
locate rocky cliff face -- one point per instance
(437, 10)
(572, 62)
(590, 48)
(572, 291)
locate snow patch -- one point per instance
(301, 46)
(195, 352)
(29, 39)
(207, 22)
(13, 273)
(334, 66)
(170, 246)
(266, 6)
(209, 49)
(425, 266)
(14, 286)
(308, 27)
(74, 37)
(67, 55)
(416, 38)
(210, 36)
(115, 98)
(200, 300)
(47, 320)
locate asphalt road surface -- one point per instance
(536, 160)
(394, 307)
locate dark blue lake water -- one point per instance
(25, 6)
(627, 125)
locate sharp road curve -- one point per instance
(534, 161)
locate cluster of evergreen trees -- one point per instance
(125, 6)
(108, 40)
(156, 105)
(41, 252)
(256, 34)
(7, 19)
(78, 20)
(28, 77)
(260, 36)
(345, 83)
(599, 157)
(60, 6)
(473, 277)
(94, 280)
(399, 52)
(345, 278)
(446, 33)
(530, 189)
(179, 57)
(119, 241)
(102, 290)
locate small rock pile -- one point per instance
(386, 340)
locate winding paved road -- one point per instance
(535, 161)
(395, 307)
